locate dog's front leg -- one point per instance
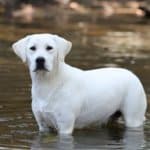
(65, 123)
(41, 124)
(43, 127)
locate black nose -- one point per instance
(40, 60)
(40, 63)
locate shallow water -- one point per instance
(97, 42)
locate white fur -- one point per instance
(65, 97)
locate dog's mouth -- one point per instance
(40, 68)
(37, 70)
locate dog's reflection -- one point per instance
(104, 139)
(134, 139)
(47, 141)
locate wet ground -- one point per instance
(97, 42)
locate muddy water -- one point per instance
(97, 42)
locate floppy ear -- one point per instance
(19, 48)
(63, 45)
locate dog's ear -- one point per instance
(63, 45)
(19, 48)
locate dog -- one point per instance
(65, 97)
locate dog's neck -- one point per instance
(45, 84)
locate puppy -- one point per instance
(65, 97)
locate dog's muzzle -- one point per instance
(40, 64)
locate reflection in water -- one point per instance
(101, 139)
(58, 142)
(65, 143)
(134, 139)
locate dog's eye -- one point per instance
(49, 48)
(33, 48)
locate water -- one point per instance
(97, 42)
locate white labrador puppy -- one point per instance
(65, 97)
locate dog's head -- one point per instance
(42, 51)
